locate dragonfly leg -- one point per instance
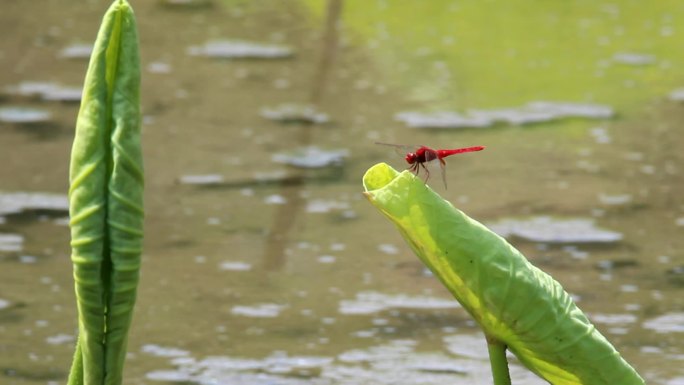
(427, 173)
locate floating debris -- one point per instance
(668, 323)
(238, 49)
(11, 242)
(46, 91)
(24, 115)
(550, 230)
(77, 51)
(295, 113)
(267, 310)
(533, 112)
(677, 95)
(311, 157)
(634, 59)
(372, 302)
(15, 203)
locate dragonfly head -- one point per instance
(411, 158)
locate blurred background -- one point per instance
(264, 264)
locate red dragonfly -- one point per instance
(418, 157)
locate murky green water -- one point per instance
(294, 279)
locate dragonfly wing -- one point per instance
(442, 169)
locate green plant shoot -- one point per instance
(106, 200)
(515, 303)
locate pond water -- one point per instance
(263, 263)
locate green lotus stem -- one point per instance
(514, 302)
(106, 200)
(499, 363)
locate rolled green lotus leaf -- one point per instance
(106, 200)
(513, 301)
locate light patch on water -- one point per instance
(77, 51)
(4, 304)
(667, 323)
(615, 200)
(372, 302)
(46, 90)
(60, 339)
(677, 95)
(15, 203)
(24, 115)
(613, 319)
(601, 135)
(679, 221)
(326, 259)
(388, 248)
(28, 259)
(275, 199)
(266, 310)
(393, 363)
(202, 180)
(295, 113)
(239, 49)
(393, 350)
(545, 229)
(277, 369)
(187, 3)
(321, 206)
(11, 242)
(575, 252)
(163, 351)
(533, 112)
(235, 266)
(633, 58)
(159, 67)
(311, 157)
(63, 94)
(467, 345)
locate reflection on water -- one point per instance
(397, 362)
(259, 268)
